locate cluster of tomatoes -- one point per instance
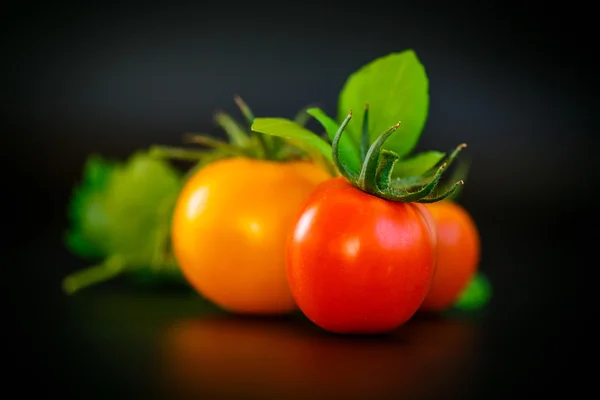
(265, 237)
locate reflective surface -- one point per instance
(176, 345)
(233, 357)
(118, 340)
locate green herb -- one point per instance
(291, 130)
(120, 214)
(373, 150)
(396, 88)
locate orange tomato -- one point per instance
(229, 230)
(458, 254)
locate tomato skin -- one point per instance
(229, 228)
(458, 254)
(359, 264)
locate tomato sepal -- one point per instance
(375, 174)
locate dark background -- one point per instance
(512, 81)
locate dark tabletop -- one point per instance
(177, 344)
(118, 340)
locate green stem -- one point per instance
(265, 148)
(448, 160)
(367, 180)
(245, 109)
(237, 134)
(335, 146)
(364, 138)
(443, 195)
(421, 192)
(214, 143)
(377, 164)
(177, 153)
(109, 269)
(387, 161)
(460, 173)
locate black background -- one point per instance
(512, 81)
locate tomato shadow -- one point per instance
(228, 356)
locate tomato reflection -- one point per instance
(232, 357)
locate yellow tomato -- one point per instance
(230, 226)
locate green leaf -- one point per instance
(348, 150)
(121, 215)
(289, 129)
(125, 219)
(461, 171)
(417, 164)
(302, 117)
(85, 211)
(397, 89)
(476, 295)
(235, 132)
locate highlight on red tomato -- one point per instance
(233, 214)
(458, 254)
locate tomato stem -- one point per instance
(337, 160)
(176, 153)
(364, 137)
(367, 180)
(209, 141)
(244, 142)
(110, 268)
(267, 147)
(245, 109)
(385, 168)
(375, 175)
(461, 172)
(447, 193)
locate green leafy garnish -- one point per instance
(396, 88)
(121, 214)
(476, 295)
(388, 101)
(418, 164)
(85, 212)
(347, 147)
(289, 129)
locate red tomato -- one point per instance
(357, 263)
(458, 251)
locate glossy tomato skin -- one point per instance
(458, 254)
(229, 228)
(359, 264)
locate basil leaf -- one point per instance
(348, 150)
(397, 89)
(417, 164)
(289, 129)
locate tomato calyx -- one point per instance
(377, 164)
(241, 141)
